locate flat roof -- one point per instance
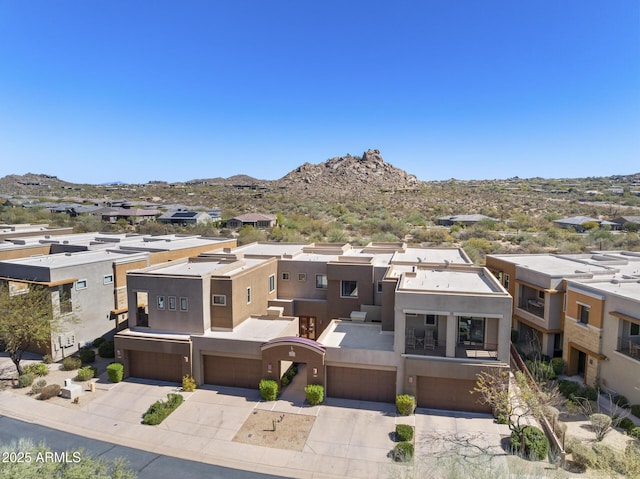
(201, 268)
(63, 260)
(431, 255)
(448, 281)
(254, 329)
(628, 289)
(348, 335)
(553, 265)
(269, 249)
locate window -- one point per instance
(160, 302)
(321, 281)
(430, 320)
(506, 281)
(285, 276)
(219, 300)
(272, 283)
(541, 295)
(634, 330)
(248, 295)
(108, 279)
(349, 289)
(184, 304)
(471, 330)
(583, 314)
(302, 276)
(379, 287)
(81, 284)
(64, 294)
(172, 303)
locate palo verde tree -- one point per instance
(26, 320)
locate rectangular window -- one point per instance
(81, 284)
(348, 289)
(108, 279)
(64, 294)
(379, 287)
(583, 314)
(302, 276)
(184, 304)
(160, 302)
(285, 276)
(321, 281)
(506, 281)
(219, 300)
(634, 330)
(541, 295)
(430, 320)
(272, 283)
(471, 330)
(172, 303)
(248, 295)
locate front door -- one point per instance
(308, 327)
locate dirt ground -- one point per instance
(291, 430)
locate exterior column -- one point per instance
(452, 334)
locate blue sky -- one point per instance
(165, 90)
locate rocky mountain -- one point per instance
(349, 173)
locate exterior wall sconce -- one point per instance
(186, 359)
(269, 368)
(292, 353)
(410, 379)
(119, 353)
(315, 372)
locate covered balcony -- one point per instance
(531, 300)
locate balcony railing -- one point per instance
(533, 306)
(629, 347)
(481, 351)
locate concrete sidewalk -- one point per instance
(348, 439)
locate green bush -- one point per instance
(514, 335)
(607, 458)
(634, 432)
(86, 373)
(159, 410)
(403, 452)
(107, 349)
(583, 456)
(52, 390)
(404, 432)
(115, 371)
(87, 355)
(314, 394)
(540, 370)
(97, 342)
(188, 383)
(626, 424)
(47, 359)
(568, 388)
(406, 404)
(25, 380)
(585, 392)
(620, 400)
(268, 389)
(635, 410)
(38, 386)
(36, 369)
(284, 381)
(536, 444)
(558, 365)
(71, 363)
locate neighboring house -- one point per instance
(133, 216)
(577, 223)
(185, 218)
(466, 220)
(581, 307)
(86, 275)
(622, 220)
(369, 322)
(26, 230)
(257, 220)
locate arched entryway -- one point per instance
(292, 349)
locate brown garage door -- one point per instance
(446, 393)
(233, 372)
(159, 366)
(361, 384)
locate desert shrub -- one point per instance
(626, 424)
(25, 380)
(71, 363)
(38, 386)
(97, 342)
(268, 389)
(87, 355)
(36, 369)
(115, 371)
(159, 410)
(583, 456)
(47, 359)
(635, 410)
(601, 425)
(314, 394)
(586, 392)
(541, 370)
(406, 404)
(568, 388)
(404, 432)
(620, 400)
(52, 390)
(86, 373)
(107, 349)
(607, 458)
(403, 452)
(536, 444)
(188, 383)
(634, 432)
(558, 365)
(284, 381)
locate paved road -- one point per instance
(148, 465)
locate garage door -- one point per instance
(361, 384)
(233, 372)
(446, 393)
(159, 366)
